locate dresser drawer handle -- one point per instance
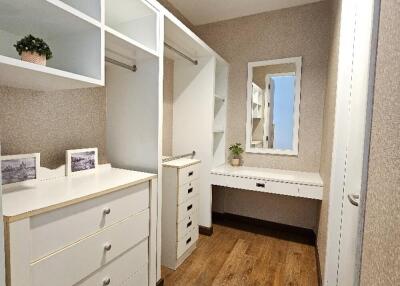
(189, 240)
(260, 185)
(107, 246)
(107, 211)
(106, 281)
(190, 190)
(189, 224)
(189, 207)
(190, 174)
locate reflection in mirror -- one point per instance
(273, 106)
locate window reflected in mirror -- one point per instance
(273, 106)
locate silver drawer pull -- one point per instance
(106, 281)
(107, 211)
(189, 207)
(190, 174)
(107, 246)
(190, 190)
(189, 240)
(260, 185)
(189, 224)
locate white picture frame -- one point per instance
(81, 161)
(296, 112)
(17, 169)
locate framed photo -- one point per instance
(81, 161)
(19, 168)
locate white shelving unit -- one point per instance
(75, 39)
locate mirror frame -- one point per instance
(296, 112)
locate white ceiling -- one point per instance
(207, 11)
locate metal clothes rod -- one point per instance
(179, 156)
(195, 62)
(115, 62)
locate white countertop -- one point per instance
(306, 178)
(32, 198)
(181, 163)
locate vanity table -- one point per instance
(274, 181)
(95, 229)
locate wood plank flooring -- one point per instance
(241, 255)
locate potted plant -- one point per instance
(236, 151)
(33, 50)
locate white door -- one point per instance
(357, 148)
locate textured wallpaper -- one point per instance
(300, 31)
(168, 102)
(52, 122)
(381, 246)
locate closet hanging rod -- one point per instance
(179, 157)
(115, 62)
(195, 62)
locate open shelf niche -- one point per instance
(76, 44)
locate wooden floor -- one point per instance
(241, 255)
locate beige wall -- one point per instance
(328, 129)
(300, 31)
(171, 8)
(381, 246)
(52, 122)
(168, 100)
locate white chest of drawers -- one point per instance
(180, 229)
(91, 230)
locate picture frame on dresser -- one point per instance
(16, 169)
(81, 161)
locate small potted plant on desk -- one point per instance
(236, 152)
(33, 50)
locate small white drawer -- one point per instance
(282, 188)
(188, 174)
(311, 192)
(187, 191)
(54, 230)
(187, 225)
(71, 265)
(124, 269)
(186, 242)
(187, 208)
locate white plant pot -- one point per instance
(33, 58)
(235, 162)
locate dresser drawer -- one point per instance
(311, 192)
(70, 265)
(186, 242)
(282, 188)
(188, 174)
(186, 225)
(54, 230)
(122, 269)
(187, 191)
(187, 208)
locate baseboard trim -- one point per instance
(249, 222)
(204, 230)
(160, 282)
(318, 266)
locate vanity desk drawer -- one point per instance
(186, 225)
(59, 228)
(187, 208)
(72, 264)
(187, 241)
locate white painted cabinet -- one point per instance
(180, 205)
(96, 230)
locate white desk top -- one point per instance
(32, 198)
(306, 178)
(181, 163)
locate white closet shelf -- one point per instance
(20, 74)
(126, 47)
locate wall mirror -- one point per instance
(273, 101)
